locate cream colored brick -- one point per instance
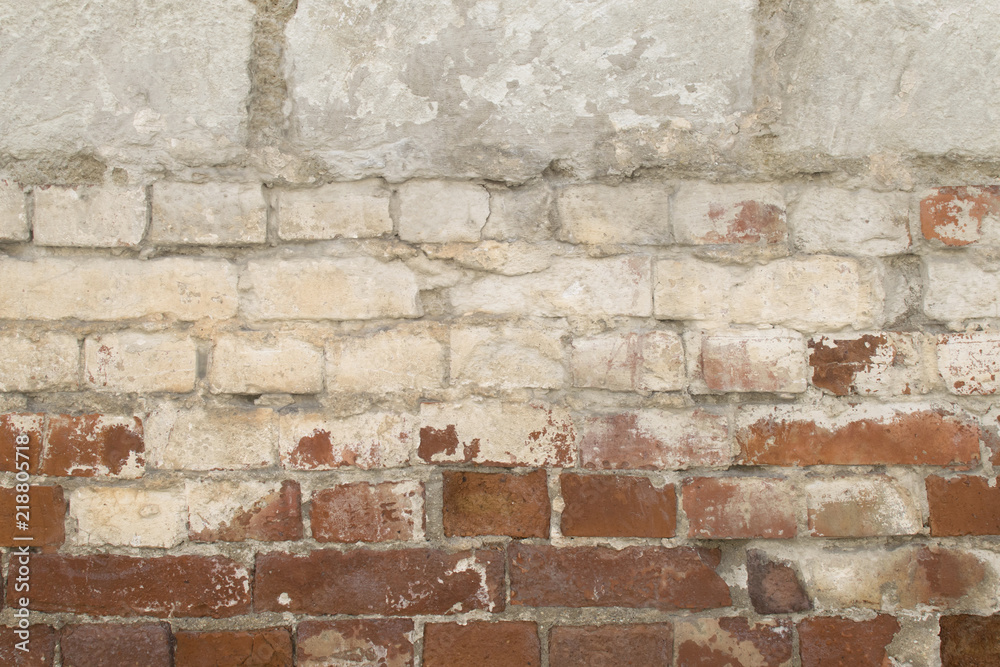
(442, 211)
(217, 504)
(13, 213)
(650, 361)
(47, 362)
(88, 215)
(129, 516)
(508, 356)
(208, 213)
(770, 360)
(855, 222)
(707, 213)
(399, 359)
(352, 210)
(247, 364)
(211, 438)
(519, 214)
(358, 288)
(970, 363)
(374, 440)
(117, 289)
(138, 362)
(960, 288)
(862, 507)
(884, 363)
(635, 213)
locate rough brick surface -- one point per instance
(969, 363)
(616, 506)
(338, 210)
(13, 212)
(247, 365)
(442, 211)
(957, 289)
(45, 363)
(232, 511)
(655, 439)
(649, 361)
(363, 512)
(495, 504)
(213, 439)
(841, 642)
(400, 359)
(17, 424)
(970, 640)
(646, 644)
(104, 217)
(963, 505)
(959, 216)
(387, 642)
(705, 213)
(861, 507)
(482, 643)
(886, 363)
(739, 507)
(507, 357)
(718, 641)
(46, 516)
(635, 213)
(126, 516)
(110, 644)
(208, 214)
(754, 361)
(42, 641)
(94, 445)
(774, 586)
(835, 220)
(374, 440)
(140, 363)
(269, 647)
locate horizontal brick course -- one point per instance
(616, 506)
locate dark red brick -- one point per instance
(830, 641)
(382, 642)
(115, 645)
(478, 503)
(739, 507)
(963, 506)
(836, 362)
(939, 577)
(41, 647)
(609, 645)
(616, 506)
(363, 512)
(270, 647)
(91, 445)
(273, 518)
(774, 587)
(482, 644)
(722, 642)
(13, 425)
(970, 641)
(954, 215)
(46, 517)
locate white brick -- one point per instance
(208, 213)
(117, 289)
(399, 359)
(957, 289)
(571, 286)
(970, 363)
(97, 216)
(705, 213)
(442, 211)
(772, 360)
(353, 210)
(374, 440)
(650, 361)
(856, 222)
(211, 438)
(256, 365)
(47, 362)
(139, 362)
(13, 215)
(127, 516)
(358, 288)
(508, 356)
(632, 213)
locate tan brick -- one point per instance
(635, 361)
(705, 213)
(358, 288)
(519, 214)
(321, 643)
(47, 362)
(353, 210)
(234, 510)
(132, 361)
(246, 364)
(363, 512)
(740, 507)
(128, 516)
(853, 222)
(656, 439)
(877, 364)
(508, 356)
(13, 212)
(861, 507)
(733, 641)
(970, 363)
(208, 213)
(212, 438)
(374, 440)
(959, 288)
(89, 215)
(117, 289)
(634, 213)
(442, 211)
(405, 358)
(771, 360)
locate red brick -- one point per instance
(888, 363)
(774, 587)
(400, 582)
(970, 641)
(739, 507)
(754, 361)
(273, 518)
(830, 641)
(963, 506)
(649, 644)
(363, 512)
(91, 445)
(46, 517)
(969, 363)
(113, 585)
(382, 642)
(13, 425)
(477, 503)
(270, 647)
(651, 439)
(954, 215)
(616, 506)
(733, 641)
(482, 644)
(139, 645)
(41, 647)
(649, 577)
(920, 437)
(941, 578)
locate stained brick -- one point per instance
(709, 213)
(41, 646)
(616, 506)
(733, 641)
(655, 439)
(886, 363)
(648, 361)
(90, 445)
(373, 440)
(232, 511)
(269, 647)
(831, 641)
(645, 644)
(861, 507)
(146, 644)
(647, 577)
(141, 363)
(385, 642)
(477, 503)
(970, 641)
(774, 586)
(969, 363)
(13, 425)
(363, 512)
(754, 361)
(739, 508)
(964, 505)
(956, 215)
(482, 643)
(47, 512)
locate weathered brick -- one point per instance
(842, 292)
(374, 440)
(363, 512)
(399, 359)
(354, 210)
(965, 505)
(642, 577)
(830, 641)
(136, 362)
(482, 643)
(13, 212)
(212, 438)
(970, 640)
(208, 213)
(969, 363)
(861, 507)
(647, 361)
(89, 215)
(654, 439)
(956, 288)
(634, 213)
(706, 213)
(145, 644)
(519, 213)
(41, 646)
(113, 585)
(616, 506)
(47, 514)
(476, 503)
(739, 507)
(11, 426)
(117, 289)
(233, 511)
(774, 586)
(570, 286)
(385, 642)
(47, 362)
(442, 211)
(861, 435)
(733, 641)
(508, 356)
(253, 365)
(90, 445)
(355, 288)
(402, 582)
(268, 647)
(879, 364)
(754, 361)
(645, 644)
(126, 516)
(854, 222)
(958, 216)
